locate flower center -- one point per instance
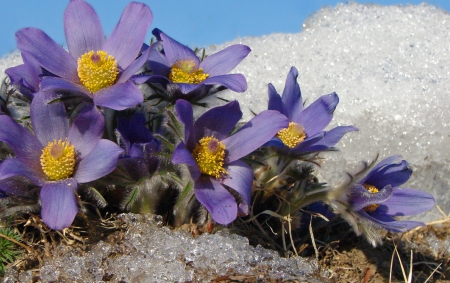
(58, 160)
(371, 207)
(292, 135)
(187, 72)
(97, 70)
(210, 155)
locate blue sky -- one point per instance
(196, 23)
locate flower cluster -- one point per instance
(93, 131)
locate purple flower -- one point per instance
(175, 63)
(377, 199)
(95, 68)
(213, 157)
(58, 156)
(140, 147)
(305, 131)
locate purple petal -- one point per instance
(216, 199)
(331, 138)
(14, 167)
(48, 53)
(186, 116)
(119, 96)
(275, 102)
(317, 115)
(59, 203)
(176, 51)
(187, 88)
(158, 61)
(25, 146)
(63, 86)
(26, 74)
(292, 97)
(82, 28)
(240, 179)
(16, 186)
(394, 174)
(218, 121)
(101, 161)
(49, 120)
(407, 202)
(359, 197)
(86, 130)
(181, 155)
(254, 134)
(389, 223)
(133, 68)
(235, 82)
(309, 142)
(126, 40)
(222, 62)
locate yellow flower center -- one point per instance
(210, 155)
(58, 160)
(186, 72)
(371, 207)
(97, 70)
(292, 135)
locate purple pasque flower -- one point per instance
(213, 157)
(94, 68)
(305, 132)
(58, 156)
(174, 63)
(139, 144)
(377, 199)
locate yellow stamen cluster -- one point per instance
(371, 207)
(97, 70)
(187, 72)
(293, 135)
(210, 155)
(58, 160)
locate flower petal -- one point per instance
(25, 146)
(99, 162)
(292, 97)
(389, 223)
(240, 179)
(181, 155)
(394, 174)
(15, 186)
(407, 202)
(26, 74)
(14, 167)
(133, 68)
(127, 37)
(359, 197)
(158, 61)
(331, 138)
(218, 121)
(216, 199)
(235, 82)
(186, 88)
(59, 204)
(186, 116)
(318, 115)
(64, 86)
(176, 51)
(86, 130)
(275, 102)
(222, 62)
(254, 134)
(82, 28)
(47, 53)
(119, 96)
(49, 120)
